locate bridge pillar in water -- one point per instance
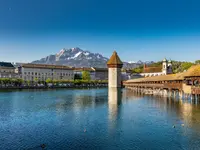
(114, 71)
(170, 93)
(165, 92)
(181, 94)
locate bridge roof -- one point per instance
(171, 77)
(193, 71)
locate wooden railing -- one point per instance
(195, 90)
(156, 85)
(173, 85)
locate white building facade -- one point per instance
(7, 70)
(42, 72)
(165, 69)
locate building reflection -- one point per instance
(114, 101)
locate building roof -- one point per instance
(171, 77)
(6, 64)
(100, 69)
(193, 71)
(45, 66)
(164, 60)
(83, 69)
(152, 69)
(114, 59)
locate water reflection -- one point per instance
(114, 101)
(186, 112)
(80, 99)
(97, 118)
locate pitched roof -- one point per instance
(193, 71)
(45, 66)
(152, 69)
(164, 60)
(114, 59)
(100, 69)
(171, 77)
(6, 64)
(83, 69)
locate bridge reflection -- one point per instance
(188, 111)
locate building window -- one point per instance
(36, 73)
(24, 72)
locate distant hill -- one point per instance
(77, 57)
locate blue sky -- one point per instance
(137, 30)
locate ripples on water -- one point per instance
(88, 119)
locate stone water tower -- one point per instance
(114, 71)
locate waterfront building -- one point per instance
(7, 70)
(164, 69)
(95, 73)
(100, 73)
(41, 72)
(114, 71)
(78, 72)
(126, 74)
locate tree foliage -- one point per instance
(197, 62)
(15, 82)
(48, 80)
(86, 75)
(137, 70)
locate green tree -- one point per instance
(36, 80)
(186, 66)
(86, 75)
(49, 80)
(137, 70)
(197, 62)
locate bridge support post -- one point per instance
(170, 93)
(181, 94)
(174, 93)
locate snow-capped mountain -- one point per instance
(77, 57)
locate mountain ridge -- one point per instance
(77, 57)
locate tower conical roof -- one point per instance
(164, 60)
(114, 59)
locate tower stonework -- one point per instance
(114, 71)
(164, 66)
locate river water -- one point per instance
(96, 119)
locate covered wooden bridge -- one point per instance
(184, 85)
